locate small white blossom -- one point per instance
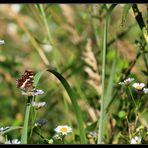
(38, 105)
(47, 47)
(14, 141)
(136, 140)
(33, 93)
(4, 128)
(126, 81)
(139, 86)
(145, 90)
(63, 129)
(2, 42)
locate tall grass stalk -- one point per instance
(46, 23)
(100, 132)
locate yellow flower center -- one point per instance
(63, 129)
(30, 93)
(139, 87)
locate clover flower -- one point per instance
(38, 105)
(63, 129)
(126, 81)
(138, 86)
(14, 141)
(136, 140)
(33, 93)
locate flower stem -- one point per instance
(132, 96)
(25, 128)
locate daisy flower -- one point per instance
(14, 141)
(136, 140)
(138, 86)
(33, 93)
(63, 129)
(126, 81)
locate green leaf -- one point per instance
(76, 107)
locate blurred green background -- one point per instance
(70, 40)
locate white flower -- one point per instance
(126, 81)
(4, 128)
(38, 105)
(145, 90)
(47, 47)
(16, 7)
(139, 86)
(2, 42)
(33, 93)
(14, 141)
(64, 129)
(136, 140)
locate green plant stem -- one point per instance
(25, 128)
(132, 97)
(46, 24)
(100, 132)
(45, 139)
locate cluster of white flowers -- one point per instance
(33, 93)
(136, 140)
(126, 81)
(139, 87)
(14, 141)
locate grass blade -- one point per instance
(74, 103)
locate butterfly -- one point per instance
(25, 83)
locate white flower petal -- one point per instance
(14, 141)
(136, 140)
(2, 42)
(145, 90)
